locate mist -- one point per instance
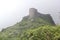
(12, 11)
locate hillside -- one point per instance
(42, 33)
(32, 21)
(45, 32)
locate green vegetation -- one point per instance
(41, 33)
(38, 28)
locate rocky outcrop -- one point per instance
(33, 14)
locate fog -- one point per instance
(12, 11)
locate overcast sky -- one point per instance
(12, 11)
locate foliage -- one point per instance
(38, 28)
(41, 33)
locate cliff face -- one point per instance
(34, 14)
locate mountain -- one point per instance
(32, 21)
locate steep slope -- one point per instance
(33, 20)
(42, 33)
(45, 32)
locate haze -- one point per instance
(12, 11)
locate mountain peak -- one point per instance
(32, 12)
(35, 15)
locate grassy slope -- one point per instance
(41, 33)
(16, 32)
